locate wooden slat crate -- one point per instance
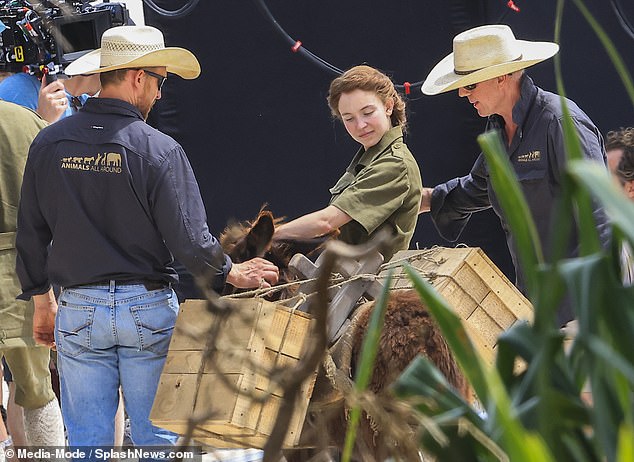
(219, 386)
(475, 288)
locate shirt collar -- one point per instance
(111, 106)
(363, 158)
(76, 102)
(528, 92)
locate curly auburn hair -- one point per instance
(619, 139)
(623, 140)
(367, 78)
(625, 169)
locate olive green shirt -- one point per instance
(380, 186)
(18, 127)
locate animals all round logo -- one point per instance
(107, 162)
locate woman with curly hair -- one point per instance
(382, 185)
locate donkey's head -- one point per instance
(246, 240)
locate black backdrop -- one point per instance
(256, 127)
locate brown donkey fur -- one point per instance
(408, 328)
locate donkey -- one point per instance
(243, 241)
(408, 329)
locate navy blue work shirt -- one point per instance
(106, 196)
(537, 154)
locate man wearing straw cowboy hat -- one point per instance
(106, 201)
(486, 67)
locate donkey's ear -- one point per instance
(261, 234)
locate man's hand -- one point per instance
(44, 319)
(254, 273)
(425, 202)
(52, 101)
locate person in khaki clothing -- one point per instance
(382, 186)
(28, 363)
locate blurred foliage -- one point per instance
(540, 411)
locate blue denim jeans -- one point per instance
(106, 337)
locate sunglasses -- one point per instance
(470, 87)
(161, 79)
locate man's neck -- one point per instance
(72, 87)
(80, 85)
(511, 99)
(115, 93)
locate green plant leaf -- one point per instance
(588, 241)
(366, 363)
(454, 332)
(521, 445)
(593, 287)
(508, 431)
(617, 321)
(538, 413)
(516, 211)
(585, 278)
(596, 179)
(448, 414)
(626, 444)
(616, 59)
(422, 378)
(603, 351)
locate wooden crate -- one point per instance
(475, 288)
(260, 336)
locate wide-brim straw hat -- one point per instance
(483, 53)
(128, 47)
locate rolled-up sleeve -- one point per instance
(377, 192)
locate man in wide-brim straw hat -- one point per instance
(106, 201)
(487, 67)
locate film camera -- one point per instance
(43, 36)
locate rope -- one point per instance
(411, 258)
(300, 302)
(259, 293)
(338, 278)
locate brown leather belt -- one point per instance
(148, 283)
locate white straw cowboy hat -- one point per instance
(128, 47)
(483, 53)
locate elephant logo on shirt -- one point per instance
(113, 159)
(107, 162)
